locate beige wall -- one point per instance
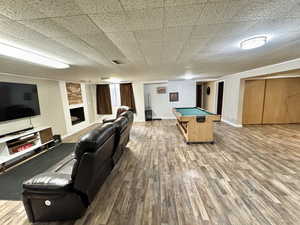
(209, 101)
(50, 105)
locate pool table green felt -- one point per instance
(193, 112)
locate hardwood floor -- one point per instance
(250, 176)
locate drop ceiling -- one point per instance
(155, 39)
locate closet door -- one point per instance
(253, 101)
(282, 101)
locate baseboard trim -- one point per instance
(74, 132)
(232, 124)
(166, 118)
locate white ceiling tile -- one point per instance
(145, 19)
(182, 16)
(123, 36)
(149, 35)
(152, 52)
(132, 51)
(141, 4)
(99, 6)
(224, 29)
(54, 8)
(47, 27)
(169, 3)
(273, 27)
(139, 32)
(127, 44)
(213, 13)
(104, 45)
(171, 51)
(17, 10)
(2, 17)
(111, 22)
(180, 33)
(205, 30)
(72, 23)
(19, 30)
(295, 11)
(257, 10)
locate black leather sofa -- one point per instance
(66, 191)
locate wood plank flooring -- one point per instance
(250, 176)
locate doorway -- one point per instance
(220, 97)
(199, 95)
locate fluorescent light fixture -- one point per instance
(29, 56)
(254, 42)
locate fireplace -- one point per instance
(77, 115)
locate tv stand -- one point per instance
(16, 132)
(15, 147)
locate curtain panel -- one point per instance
(103, 99)
(127, 96)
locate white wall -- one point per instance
(138, 90)
(160, 104)
(210, 101)
(50, 106)
(234, 89)
(66, 107)
(231, 99)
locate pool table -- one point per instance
(196, 124)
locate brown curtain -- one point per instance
(103, 99)
(127, 96)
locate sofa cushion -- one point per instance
(49, 181)
(128, 115)
(121, 123)
(95, 138)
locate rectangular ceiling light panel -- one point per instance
(32, 57)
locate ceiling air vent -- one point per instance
(116, 62)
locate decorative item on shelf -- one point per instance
(173, 96)
(161, 90)
(22, 148)
(208, 91)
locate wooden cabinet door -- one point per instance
(253, 101)
(282, 101)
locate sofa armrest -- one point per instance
(48, 182)
(108, 120)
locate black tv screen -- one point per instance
(18, 101)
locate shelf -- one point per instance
(34, 137)
(12, 144)
(25, 143)
(18, 154)
(11, 137)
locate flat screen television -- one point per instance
(18, 101)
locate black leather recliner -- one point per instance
(65, 192)
(130, 118)
(120, 110)
(122, 125)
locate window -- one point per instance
(115, 94)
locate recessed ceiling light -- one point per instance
(254, 42)
(29, 56)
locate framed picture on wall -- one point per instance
(173, 96)
(161, 90)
